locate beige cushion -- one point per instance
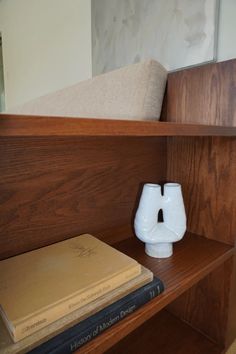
(132, 92)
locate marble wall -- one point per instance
(178, 33)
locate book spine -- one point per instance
(60, 310)
(75, 337)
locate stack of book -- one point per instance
(57, 298)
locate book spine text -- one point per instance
(73, 338)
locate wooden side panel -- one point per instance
(206, 168)
(231, 325)
(205, 306)
(56, 188)
(204, 94)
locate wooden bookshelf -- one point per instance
(61, 177)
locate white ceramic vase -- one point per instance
(159, 236)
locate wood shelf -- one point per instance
(13, 125)
(194, 257)
(174, 336)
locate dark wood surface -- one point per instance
(17, 126)
(206, 304)
(204, 94)
(165, 334)
(194, 257)
(206, 168)
(52, 189)
(231, 325)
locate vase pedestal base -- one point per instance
(159, 250)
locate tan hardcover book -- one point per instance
(41, 286)
(59, 326)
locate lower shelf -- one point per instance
(165, 334)
(194, 257)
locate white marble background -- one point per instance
(177, 33)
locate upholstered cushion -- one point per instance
(132, 92)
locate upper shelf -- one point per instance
(19, 125)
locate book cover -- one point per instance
(73, 338)
(46, 333)
(39, 287)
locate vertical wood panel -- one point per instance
(231, 325)
(206, 304)
(206, 167)
(204, 94)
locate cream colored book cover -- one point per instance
(36, 287)
(28, 343)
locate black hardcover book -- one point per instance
(80, 334)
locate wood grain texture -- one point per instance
(204, 95)
(17, 126)
(231, 324)
(206, 304)
(206, 168)
(165, 334)
(56, 188)
(194, 257)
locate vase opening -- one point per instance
(152, 185)
(172, 184)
